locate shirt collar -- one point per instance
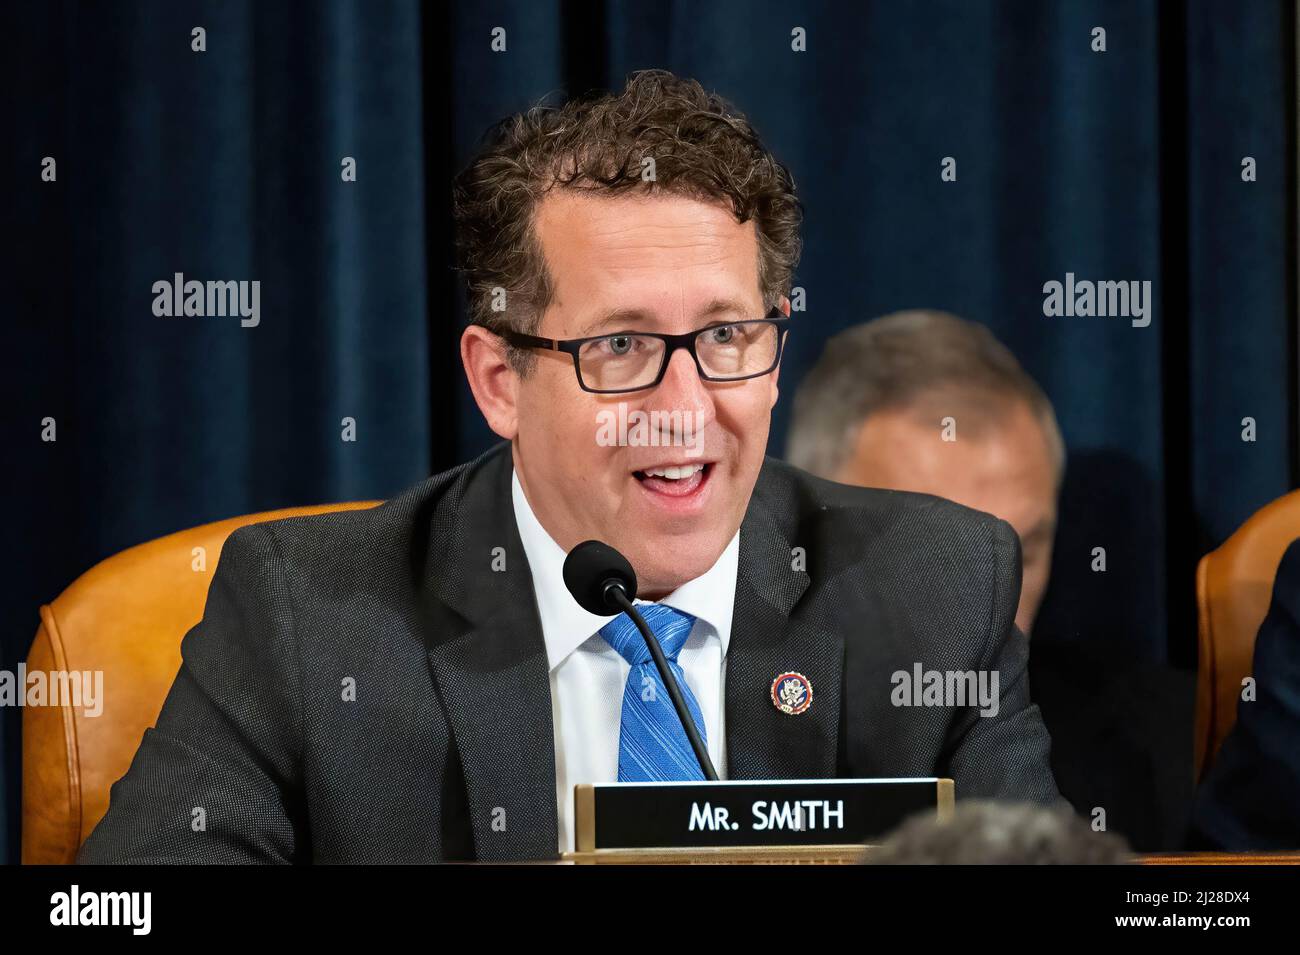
(711, 597)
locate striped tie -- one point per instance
(652, 746)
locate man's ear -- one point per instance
(494, 383)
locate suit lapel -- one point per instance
(489, 663)
(766, 640)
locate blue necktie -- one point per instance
(652, 746)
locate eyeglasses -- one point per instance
(631, 361)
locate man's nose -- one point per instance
(682, 388)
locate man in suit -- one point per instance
(925, 401)
(1250, 797)
(414, 683)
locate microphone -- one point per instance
(604, 583)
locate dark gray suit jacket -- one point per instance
(447, 751)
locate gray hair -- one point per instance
(1000, 833)
(905, 361)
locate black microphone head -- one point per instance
(588, 571)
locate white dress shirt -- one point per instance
(588, 675)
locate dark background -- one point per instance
(225, 165)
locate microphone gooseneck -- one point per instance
(603, 582)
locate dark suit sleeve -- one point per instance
(215, 780)
(1250, 798)
(1004, 755)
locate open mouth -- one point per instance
(679, 480)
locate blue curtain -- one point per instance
(225, 165)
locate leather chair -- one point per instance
(1234, 586)
(125, 617)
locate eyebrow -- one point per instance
(621, 318)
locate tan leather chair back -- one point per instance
(125, 617)
(1234, 586)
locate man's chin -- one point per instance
(659, 575)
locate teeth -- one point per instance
(674, 473)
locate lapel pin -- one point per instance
(791, 693)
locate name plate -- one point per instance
(734, 814)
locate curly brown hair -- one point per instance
(701, 146)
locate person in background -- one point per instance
(987, 832)
(493, 691)
(925, 401)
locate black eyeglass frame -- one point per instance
(672, 342)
